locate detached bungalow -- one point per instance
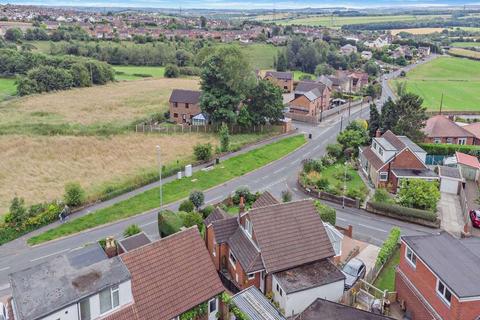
(440, 129)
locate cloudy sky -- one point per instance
(239, 4)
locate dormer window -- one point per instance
(248, 227)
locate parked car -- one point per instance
(3, 312)
(475, 217)
(354, 269)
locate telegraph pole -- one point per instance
(441, 104)
(159, 160)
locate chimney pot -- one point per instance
(378, 133)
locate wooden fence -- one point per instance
(233, 129)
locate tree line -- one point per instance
(63, 33)
(434, 23)
(42, 73)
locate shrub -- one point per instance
(168, 223)
(323, 184)
(286, 196)
(131, 230)
(388, 247)
(197, 198)
(342, 174)
(224, 138)
(74, 194)
(356, 194)
(190, 71)
(328, 160)
(310, 165)
(172, 71)
(193, 218)
(404, 211)
(327, 214)
(419, 194)
(186, 206)
(17, 213)
(207, 211)
(335, 150)
(203, 152)
(244, 192)
(382, 195)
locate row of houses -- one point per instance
(283, 250)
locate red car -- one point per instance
(475, 217)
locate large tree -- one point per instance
(412, 117)
(389, 115)
(264, 103)
(226, 78)
(375, 121)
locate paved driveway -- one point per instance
(450, 212)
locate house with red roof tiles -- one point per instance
(440, 129)
(391, 159)
(280, 248)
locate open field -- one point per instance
(260, 55)
(335, 21)
(138, 72)
(465, 44)
(7, 88)
(456, 78)
(115, 104)
(37, 168)
(417, 30)
(459, 52)
(177, 189)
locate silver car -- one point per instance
(354, 269)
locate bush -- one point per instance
(449, 149)
(197, 198)
(168, 223)
(17, 213)
(207, 211)
(172, 71)
(389, 246)
(335, 150)
(286, 196)
(404, 211)
(224, 138)
(419, 194)
(191, 219)
(190, 71)
(186, 206)
(74, 194)
(356, 194)
(203, 152)
(327, 214)
(382, 195)
(310, 165)
(323, 184)
(244, 192)
(131, 230)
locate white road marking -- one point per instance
(5, 268)
(49, 255)
(147, 224)
(341, 219)
(278, 171)
(214, 199)
(373, 228)
(4, 286)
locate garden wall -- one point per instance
(349, 202)
(432, 224)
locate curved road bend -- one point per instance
(275, 177)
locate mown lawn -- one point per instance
(465, 44)
(297, 75)
(456, 78)
(7, 88)
(138, 72)
(386, 279)
(176, 189)
(260, 55)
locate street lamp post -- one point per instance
(344, 186)
(159, 159)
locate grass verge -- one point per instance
(386, 278)
(177, 189)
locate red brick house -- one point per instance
(311, 98)
(390, 159)
(282, 79)
(437, 277)
(474, 128)
(440, 129)
(273, 246)
(184, 105)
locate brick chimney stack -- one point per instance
(110, 247)
(241, 207)
(378, 133)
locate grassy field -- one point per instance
(298, 74)
(115, 104)
(386, 279)
(456, 78)
(460, 52)
(465, 44)
(177, 189)
(7, 88)
(335, 21)
(417, 30)
(138, 72)
(260, 55)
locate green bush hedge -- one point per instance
(169, 223)
(389, 246)
(404, 211)
(442, 149)
(328, 214)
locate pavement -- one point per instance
(451, 214)
(275, 177)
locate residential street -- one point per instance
(275, 177)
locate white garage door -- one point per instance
(449, 186)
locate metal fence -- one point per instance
(233, 129)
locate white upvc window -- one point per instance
(411, 257)
(279, 290)
(85, 309)
(212, 306)
(383, 176)
(248, 227)
(462, 141)
(449, 140)
(109, 299)
(232, 259)
(437, 140)
(251, 276)
(444, 293)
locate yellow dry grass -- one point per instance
(37, 168)
(417, 30)
(120, 102)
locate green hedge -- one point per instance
(404, 211)
(328, 214)
(388, 246)
(443, 149)
(169, 223)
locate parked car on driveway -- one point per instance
(354, 269)
(475, 218)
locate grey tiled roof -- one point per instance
(265, 199)
(224, 228)
(185, 96)
(454, 261)
(133, 242)
(245, 251)
(280, 75)
(217, 214)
